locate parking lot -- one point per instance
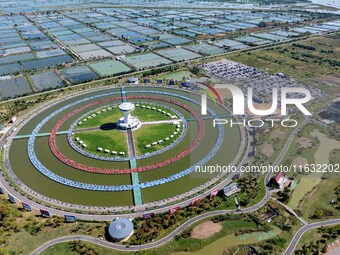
(245, 77)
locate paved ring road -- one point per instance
(169, 237)
(153, 244)
(305, 228)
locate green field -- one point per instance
(62, 248)
(105, 116)
(219, 246)
(144, 114)
(319, 198)
(102, 118)
(177, 76)
(148, 134)
(22, 241)
(113, 140)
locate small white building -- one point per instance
(133, 80)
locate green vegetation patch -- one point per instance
(322, 202)
(107, 115)
(145, 114)
(113, 140)
(154, 133)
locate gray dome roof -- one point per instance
(120, 228)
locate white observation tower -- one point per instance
(128, 121)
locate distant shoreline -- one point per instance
(332, 3)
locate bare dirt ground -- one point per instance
(224, 94)
(267, 149)
(300, 161)
(277, 134)
(329, 83)
(330, 80)
(262, 106)
(304, 142)
(205, 230)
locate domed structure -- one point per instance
(120, 229)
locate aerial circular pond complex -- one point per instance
(119, 148)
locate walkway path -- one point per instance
(291, 211)
(291, 247)
(137, 191)
(39, 135)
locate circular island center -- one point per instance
(128, 121)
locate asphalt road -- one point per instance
(152, 244)
(305, 228)
(169, 237)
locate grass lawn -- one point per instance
(24, 243)
(150, 133)
(113, 115)
(113, 140)
(220, 245)
(110, 116)
(64, 249)
(177, 76)
(320, 197)
(144, 114)
(334, 156)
